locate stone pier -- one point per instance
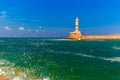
(76, 35)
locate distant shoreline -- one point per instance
(96, 37)
(77, 35)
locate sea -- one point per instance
(59, 59)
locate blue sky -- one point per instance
(56, 18)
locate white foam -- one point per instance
(116, 47)
(8, 70)
(112, 59)
(16, 78)
(2, 62)
(1, 72)
(84, 55)
(46, 78)
(62, 40)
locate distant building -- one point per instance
(76, 34)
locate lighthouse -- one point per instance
(76, 34)
(77, 25)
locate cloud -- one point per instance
(21, 28)
(7, 28)
(3, 14)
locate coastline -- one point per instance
(101, 37)
(77, 35)
(96, 37)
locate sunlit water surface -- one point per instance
(55, 59)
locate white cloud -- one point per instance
(7, 28)
(21, 28)
(3, 14)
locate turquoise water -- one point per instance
(55, 59)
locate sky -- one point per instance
(56, 18)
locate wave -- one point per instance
(18, 73)
(62, 40)
(116, 47)
(2, 62)
(84, 55)
(112, 59)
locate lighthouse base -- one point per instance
(75, 35)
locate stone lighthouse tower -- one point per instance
(77, 25)
(76, 34)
